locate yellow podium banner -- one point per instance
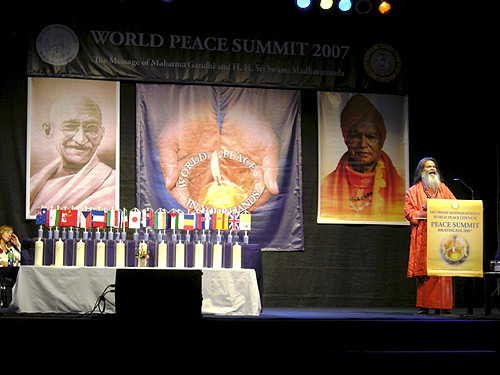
(454, 238)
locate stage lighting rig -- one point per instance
(303, 4)
(326, 4)
(345, 5)
(361, 7)
(384, 7)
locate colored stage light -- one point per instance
(303, 3)
(384, 7)
(345, 5)
(326, 4)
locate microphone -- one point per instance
(472, 191)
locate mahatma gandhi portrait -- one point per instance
(76, 177)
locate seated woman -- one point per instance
(10, 255)
(10, 247)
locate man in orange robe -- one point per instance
(365, 185)
(432, 291)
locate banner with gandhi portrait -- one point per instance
(73, 149)
(363, 158)
(215, 149)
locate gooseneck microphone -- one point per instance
(472, 191)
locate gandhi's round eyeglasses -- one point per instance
(91, 130)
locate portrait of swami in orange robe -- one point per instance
(365, 185)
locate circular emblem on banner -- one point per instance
(220, 181)
(455, 249)
(382, 62)
(57, 45)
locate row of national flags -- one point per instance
(146, 218)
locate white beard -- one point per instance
(431, 180)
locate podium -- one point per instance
(454, 237)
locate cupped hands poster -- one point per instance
(219, 149)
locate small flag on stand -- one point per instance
(219, 221)
(234, 221)
(147, 217)
(202, 221)
(85, 219)
(41, 216)
(98, 219)
(125, 218)
(176, 220)
(160, 219)
(245, 221)
(68, 218)
(134, 220)
(189, 222)
(114, 219)
(53, 217)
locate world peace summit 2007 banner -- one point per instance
(214, 149)
(331, 62)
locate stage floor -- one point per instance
(307, 313)
(323, 334)
(367, 313)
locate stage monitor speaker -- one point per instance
(159, 294)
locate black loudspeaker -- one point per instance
(159, 294)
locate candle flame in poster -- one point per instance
(214, 165)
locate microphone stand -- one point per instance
(467, 186)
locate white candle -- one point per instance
(236, 256)
(162, 254)
(39, 252)
(217, 256)
(100, 254)
(179, 255)
(198, 255)
(80, 254)
(120, 254)
(59, 261)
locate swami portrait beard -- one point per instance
(431, 180)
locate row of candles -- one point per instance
(174, 235)
(142, 254)
(160, 219)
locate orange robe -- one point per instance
(383, 190)
(432, 291)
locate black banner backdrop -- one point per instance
(104, 53)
